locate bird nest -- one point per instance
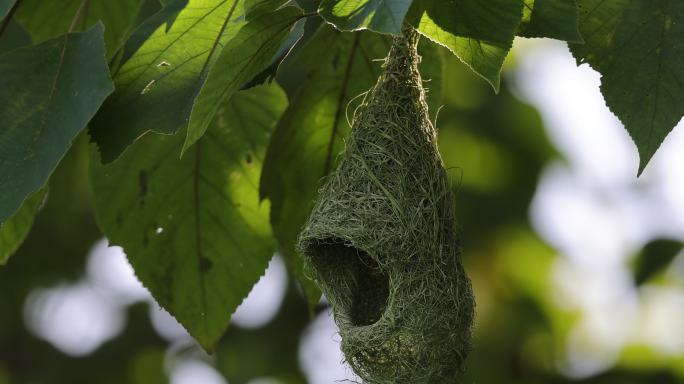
(382, 240)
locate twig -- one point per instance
(78, 16)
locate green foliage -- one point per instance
(242, 58)
(642, 79)
(5, 6)
(157, 84)
(48, 92)
(16, 228)
(254, 8)
(13, 37)
(47, 19)
(557, 19)
(479, 33)
(384, 16)
(194, 228)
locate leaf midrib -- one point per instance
(51, 96)
(135, 80)
(215, 45)
(198, 235)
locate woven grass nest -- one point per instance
(382, 241)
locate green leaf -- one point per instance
(310, 135)
(384, 16)
(167, 60)
(654, 258)
(638, 48)
(14, 36)
(164, 17)
(5, 6)
(269, 73)
(16, 228)
(245, 56)
(194, 228)
(479, 32)
(254, 8)
(48, 93)
(556, 19)
(47, 19)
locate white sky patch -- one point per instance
(662, 319)
(595, 211)
(76, 319)
(195, 372)
(109, 269)
(319, 353)
(166, 325)
(265, 299)
(265, 380)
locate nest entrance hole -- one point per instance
(359, 286)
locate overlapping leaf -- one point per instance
(194, 228)
(557, 19)
(246, 55)
(14, 36)
(254, 8)
(480, 33)
(47, 19)
(638, 48)
(5, 6)
(166, 62)
(16, 228)
(384, 16)
(48, 93)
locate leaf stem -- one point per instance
(78, 16)
(7, 19)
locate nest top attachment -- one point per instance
(382, 241)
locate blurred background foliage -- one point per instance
(496, 148)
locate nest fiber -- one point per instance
(382, 242)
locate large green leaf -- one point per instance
(308, 138)
(252, 50)
(479, 32)
(384, 16)
(48, 93)
(5, 6)
(166, 64)
(556, 19)
(47, 19)
(14, 36)
(16, 228)
(638, 47)
(194, 228)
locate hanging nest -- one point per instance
(382, 242)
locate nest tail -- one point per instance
(382, 241)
